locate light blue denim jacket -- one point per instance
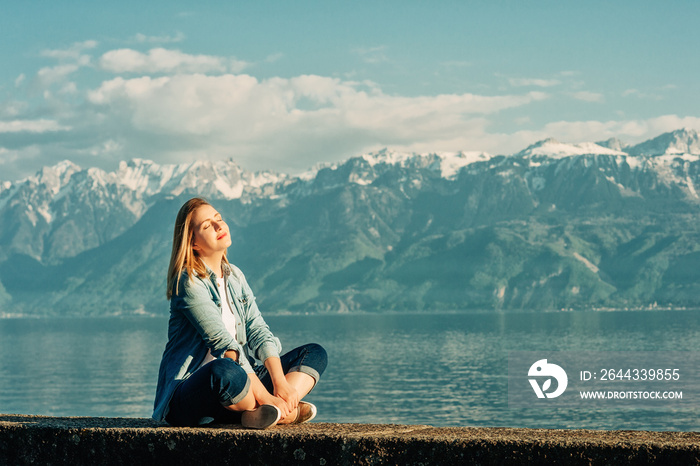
(196, 326)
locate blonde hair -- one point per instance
(183, 256)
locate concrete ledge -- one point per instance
(49, 440)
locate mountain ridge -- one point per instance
(555, 226)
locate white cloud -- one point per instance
(12, 108)
(53, 74)
(201, 104)
(181, 107)
(160, 60)
(662, 124)
(478, 137)
(641, 95)
(587, 96)
(8, 157)
(14, 162)
(285, 121)
(631, 131)
(106, 148)
(372, 55)
(19, 80)
(144, 39)
(533, 82)
(73, 54)
(31, 126)
(69, 88)
(69, 60)
(273, 57)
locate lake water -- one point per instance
(437, 369)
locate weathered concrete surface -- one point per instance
(75, 441)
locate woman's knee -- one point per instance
(318, 355)
(230, 381)
(246, 404)
(226, 369)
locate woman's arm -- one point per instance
(282, 388)
(196, 304)
(262, 396)
(267, 348)
(259, 337)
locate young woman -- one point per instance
(208, 372)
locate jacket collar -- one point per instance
(225, 267)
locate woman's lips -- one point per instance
(222, 235)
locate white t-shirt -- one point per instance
(227, 316)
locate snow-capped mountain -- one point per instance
(679, 142)
(447, 163)
(65, 209)
(553, 149)
(86, 207)
(556, 224)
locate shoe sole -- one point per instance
(261, 417)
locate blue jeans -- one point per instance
(201, 399)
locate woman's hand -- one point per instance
(284, 391)
(263, 397)
(281, 387)
(276, 401)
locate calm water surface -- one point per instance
(437, 369)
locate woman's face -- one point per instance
(211, 234)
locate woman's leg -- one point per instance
(304, 383)
(303, 366)
(218, 391)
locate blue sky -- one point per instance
(285, 85)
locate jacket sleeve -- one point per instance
(261, 341)
(197, 305)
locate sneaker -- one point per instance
(305, 412)
(262, 417)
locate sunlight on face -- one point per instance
(211, 233)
